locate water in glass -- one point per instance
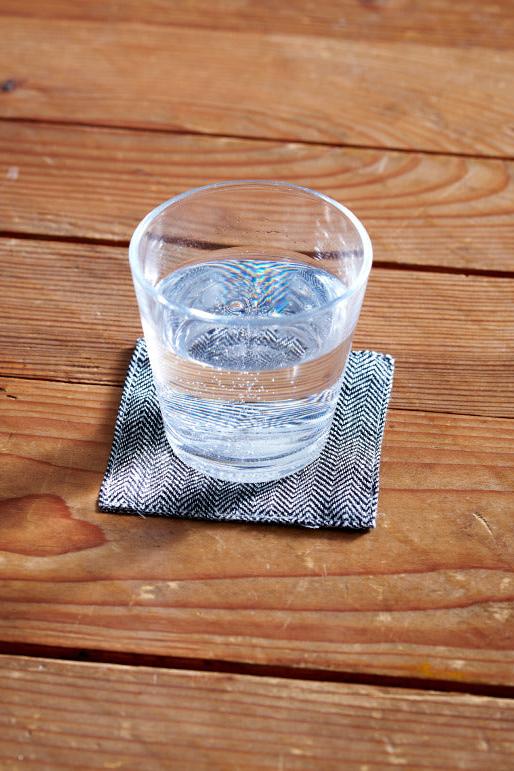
(255, 390)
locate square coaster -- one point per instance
(338, 490)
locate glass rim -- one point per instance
(231, 320)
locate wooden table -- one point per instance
(138, 643)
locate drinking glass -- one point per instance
(249, 293)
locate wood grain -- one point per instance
(466, 23)
(428, 594)
(69, 313)
(67, 715)
(256, 84)
(98, 183)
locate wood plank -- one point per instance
(439, 22)
(428, 594)
(256, 84)
(61, 714)
(419, 209)
(69, 313)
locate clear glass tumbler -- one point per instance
(249, 293)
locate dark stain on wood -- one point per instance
(8, 85)
(8, 396)
(42, 526)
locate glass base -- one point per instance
(254, 471)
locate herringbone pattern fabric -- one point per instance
(339, 489)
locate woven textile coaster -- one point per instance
(339, 489)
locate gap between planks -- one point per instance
(382, 264)
(220, 666)
(244, 137)
(113, 384)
